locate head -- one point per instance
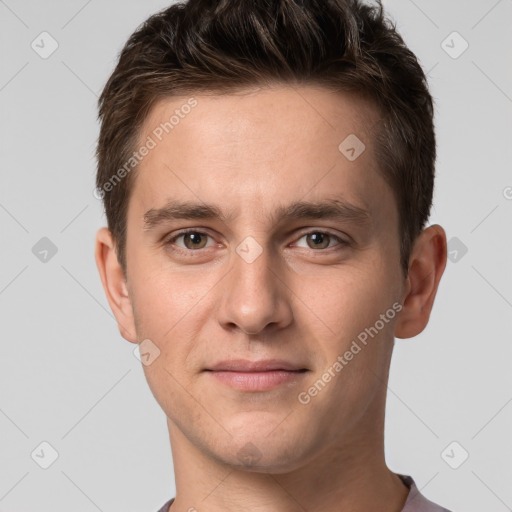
(295, 142)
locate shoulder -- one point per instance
(166, 505)
(416, 502)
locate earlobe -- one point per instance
(426, 266)
(114, 284)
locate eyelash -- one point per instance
(171, 240)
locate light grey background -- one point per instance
(69, 379)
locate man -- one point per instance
(267, 171)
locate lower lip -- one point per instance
(257, 381)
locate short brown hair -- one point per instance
(226, 45)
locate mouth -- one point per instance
(264, 375)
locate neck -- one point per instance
(351, 476)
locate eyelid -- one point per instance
(168, 240)
(341, 241)
(172, 239)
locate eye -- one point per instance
(320, 240)
(191, 240)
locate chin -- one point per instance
(266, 450)
(263, 459)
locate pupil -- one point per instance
(195, 238)
(317, 237)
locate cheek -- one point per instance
(155, 307)
(167, 308)
(162, 298)
(343, 301)
(175, 311)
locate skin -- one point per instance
(248, 153)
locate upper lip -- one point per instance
(245, 365)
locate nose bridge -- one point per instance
(253, 296)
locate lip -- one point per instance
(263, 365)
(264, 375)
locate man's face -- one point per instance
(272, 280)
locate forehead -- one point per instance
(259, 148)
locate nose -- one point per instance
(255, 298)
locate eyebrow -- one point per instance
(334, 209)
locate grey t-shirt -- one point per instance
(415, 502)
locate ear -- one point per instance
(426, 266)
(114, 284)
